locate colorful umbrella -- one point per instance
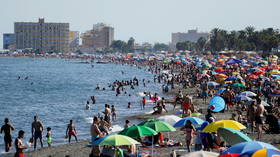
(138, 131)
(231, 78)
(213, 127)
(248, 93)
(194, 120)
(229, 155)
(242, 98)
(212, 83)
(158, 125)
(233, 61)
(247, 148)
(267, 153)
(233, 136)
(201, 154)
(220, 91)
(217, 104)
(221, 76)
(170, 119)
(115, 140)
(238, 85)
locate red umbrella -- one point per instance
(253, 77)
(219, 70)
(258, 72)
(230, 155)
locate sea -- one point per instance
(56, 90)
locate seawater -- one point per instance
(57, 89)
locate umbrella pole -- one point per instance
(153, 145)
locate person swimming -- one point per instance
(87, 106)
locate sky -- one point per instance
(145, 20)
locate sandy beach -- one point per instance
(80, 148)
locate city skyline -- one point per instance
(151, 21)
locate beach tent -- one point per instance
(201, 154)
(170, 119)
(247, 148)
(233, 136)
(214, 126)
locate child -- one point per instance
(19, 144)
(49, 136)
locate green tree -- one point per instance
(160, 47)
(119, 45)
(130, 44)
(200, 44)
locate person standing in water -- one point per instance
(93, 99)
(114, 115)
(143, 103)
(71, 131)
(7, 128)
(49, 136)
(19, 144)
(37, 130)
(87, 106)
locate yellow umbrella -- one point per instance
(235, 73)
(266, 152)
(274, 72)
(213, 127)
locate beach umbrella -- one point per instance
(233, 136)
(274, 72)
(204, 75)
(231, 78)
(267, 153)
(201, 154)
(213, 127)
(248, 93)
(229, 155)
(221, 76)
(157, 125)
(196, 114)
(247, 148)
(275, 93)
(253, 77)
(138, 131)
(219, 70)
(213, 72)
(238, 85)
(212, 83)
(253, 70)
(170, 119)
(242, 98)
(259, 72)
(217, 104)
(220, 91)
(183, 121)
(115, 140)
(235, 73)
(233, 61)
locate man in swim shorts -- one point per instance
(71, 131)
(36, 130)
(7, 128)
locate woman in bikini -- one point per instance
(189, 129)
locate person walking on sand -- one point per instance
(37, 130)
(7, 128)
(114, 114)
(143, 103)
(259, 118)
(19, 144)
(189, 129)
(71, 131)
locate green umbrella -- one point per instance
(138, 131)
(158, 125)
(115, 140)
(233, 136)
(238, 85)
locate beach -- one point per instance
(80, 148)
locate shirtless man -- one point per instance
(37, 130)
(95, 133)
(259, 118)
(71, 131)
(7, 128)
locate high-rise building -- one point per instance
(8, 40)
(191, 35)
(101, 36)
(42, 36)
(74, 39)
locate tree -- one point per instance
(200, 44)
(119, 45)
(130, 44)
(161, 47)
(218, 39)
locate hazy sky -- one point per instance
(145, 20)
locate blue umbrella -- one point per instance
(220, 91)
(217, 104)
(247, 148)
(194, 120)
(242, 98)
(233, 61)
(231, 78)
(212, 83)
